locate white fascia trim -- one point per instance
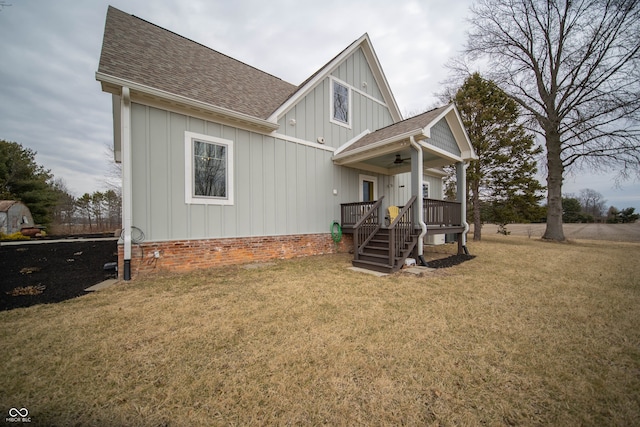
(301, 141)
(435, 172)
(351, 141)
(341, 158)
(366, 95)
(105, 78)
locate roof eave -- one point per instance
(112, 84)
(372, 150)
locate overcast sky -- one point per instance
(49, 52)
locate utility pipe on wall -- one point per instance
(418, 191)
(125, 117)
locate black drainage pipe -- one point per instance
(127, 269)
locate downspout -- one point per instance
(461, 183)
(423, 225)
(125, 117)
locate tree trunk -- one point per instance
(555, 171)
(477, 222)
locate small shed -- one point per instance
(14, 216)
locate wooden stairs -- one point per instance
(375, 254)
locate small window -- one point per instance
(340, 107)
(425, 190)
(208, 170)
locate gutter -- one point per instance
(423, 225)
(172, 97)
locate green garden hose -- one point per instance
(336, 231)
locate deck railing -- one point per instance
(442, 213)
(351, 212)
(401, 230)
(366, 227)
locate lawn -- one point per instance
(526, 333)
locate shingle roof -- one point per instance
(418, 122)
(5, 205)
(136, 50)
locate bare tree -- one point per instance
(574, 68)
(592, 203)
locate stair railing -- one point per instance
(366, 227)
(401, 230)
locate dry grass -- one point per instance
(526, 333)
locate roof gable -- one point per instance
(138, 51)
(419, 126)
(314, 80)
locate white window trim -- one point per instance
(189, 197)
(361, 179)
(334, 80)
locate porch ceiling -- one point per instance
(383, 160)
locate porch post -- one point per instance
(461, 196)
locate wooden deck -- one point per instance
(381, 244)
(441, 216)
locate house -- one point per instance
(224, 163)
(16, 217)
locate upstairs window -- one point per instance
(209, 170)
(341, 104)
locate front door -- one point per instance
(368, 188)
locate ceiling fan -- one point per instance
(399, 160)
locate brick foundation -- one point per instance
(189, 255)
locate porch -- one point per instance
(441, 216)
(382, 243)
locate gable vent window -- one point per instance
(208, 170)
(341, 104)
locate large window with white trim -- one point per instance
(208, 170)
(340, 103)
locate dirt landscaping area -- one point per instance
(48, 272)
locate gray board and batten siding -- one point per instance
(312, 113)
(281, 187)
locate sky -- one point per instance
(49, 53)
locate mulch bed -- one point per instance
(52, 272)
(450, 261)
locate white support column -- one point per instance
(127, 216)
